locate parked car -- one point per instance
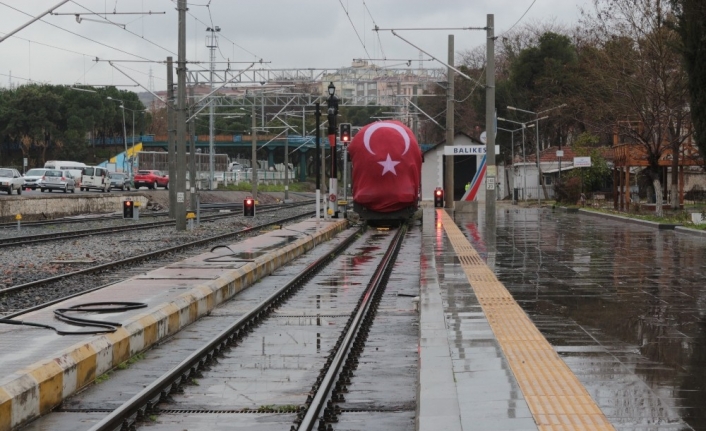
(151, 179)
(55, 179)
(119, 180)
(33, 177)
(95, 177)
(10, 179)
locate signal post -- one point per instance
(333, 180)
(345, 140)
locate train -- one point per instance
(386, 172)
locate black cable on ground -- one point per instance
(91, 307)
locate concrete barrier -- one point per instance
(49, 206)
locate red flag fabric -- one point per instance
(387, 166)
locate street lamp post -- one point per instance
(512, 155)
(333, 181)
(133, 136)
(122, 103)
(524, 158)
(536, 120)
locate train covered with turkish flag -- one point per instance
(387, 171)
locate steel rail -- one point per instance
(34, 239)
(379, 277)
(137, 407)
(147, 255)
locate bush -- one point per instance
(569, 191)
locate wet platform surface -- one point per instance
(623, 305)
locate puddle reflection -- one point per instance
(624, 305)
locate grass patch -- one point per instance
(271, 408)
(125, 365)
(103, 377)
(670, 217)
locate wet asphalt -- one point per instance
(624, 306)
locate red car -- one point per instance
(151, 179)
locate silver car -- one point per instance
(55, 179)
(119, 180)
(33, 177)
(10, 179)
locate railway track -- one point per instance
(297, 350)
(44, 288)
(320, 406)
(55, 236)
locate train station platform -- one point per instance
(39, 368)
(483, 363)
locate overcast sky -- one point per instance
(287, 33)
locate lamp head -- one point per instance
(331, 89)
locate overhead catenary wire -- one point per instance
(354, 29)
(206, 25)
(382, 52)
(76, 34)
(125, 29)
(518, 21)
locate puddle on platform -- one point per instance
(624, 305)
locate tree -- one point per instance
(31, 118)
(637, 60)
(690, 23)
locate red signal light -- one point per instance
(128, 203)
(438, 198)
(249, 207)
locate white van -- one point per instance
(95, 177)
(74, 168)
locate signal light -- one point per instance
(128, 209)
(249, 207)
(346, 133)
(438, 198)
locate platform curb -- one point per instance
(36, 389)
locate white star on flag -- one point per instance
(388, 165)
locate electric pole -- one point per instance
(449, 160)
(490, 171)
(180, 213)
(192, 155)
(171, 136)
(212, 44)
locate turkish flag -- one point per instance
(387, 166)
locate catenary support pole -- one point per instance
(317, 163)
(192, 156)
(491, 169)
(171, 135)
(449, 160)
(179, 184)
(253, 162)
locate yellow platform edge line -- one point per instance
(36, 389)
(555, 396)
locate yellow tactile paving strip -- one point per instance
(557, 399)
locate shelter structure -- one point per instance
(628, 154)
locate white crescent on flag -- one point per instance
(370, 130)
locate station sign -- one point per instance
(582, 162)
(467, 150)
